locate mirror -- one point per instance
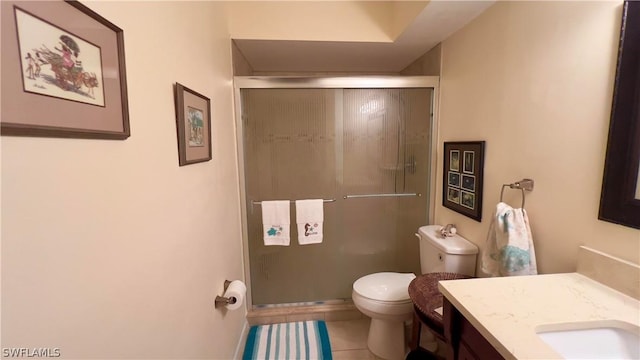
(620, 198)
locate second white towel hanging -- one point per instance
(309, 218)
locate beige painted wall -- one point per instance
(403, 13)
(535, 80)
(321, 20)
(241, 66)
(109, 249)
(428, 64)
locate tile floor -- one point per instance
(349, 339)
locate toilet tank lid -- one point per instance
(455, 245)
(384, 286)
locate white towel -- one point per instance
(276, 221)
(509, 249)
(309, 216)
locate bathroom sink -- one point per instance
(593, 340)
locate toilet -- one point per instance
(384, 296)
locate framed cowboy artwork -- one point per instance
(63, 72)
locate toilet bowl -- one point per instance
(385, 299)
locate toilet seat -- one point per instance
(384, 287)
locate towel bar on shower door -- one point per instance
(293, 201)
(381, 195)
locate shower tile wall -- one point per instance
(327, 143)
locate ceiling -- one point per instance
(437, 21)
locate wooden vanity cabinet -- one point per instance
(464, 342)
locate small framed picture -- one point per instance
(469, 157)
(453, 195)
(463, 174)
(468, 183)
(193, 120)
(454, 159)
(467, 199)
(454, 179)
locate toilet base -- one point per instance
(386, 339)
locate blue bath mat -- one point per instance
(307, 340)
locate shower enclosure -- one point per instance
(362, 144)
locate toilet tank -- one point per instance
(450, 254)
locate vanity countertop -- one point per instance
(507, 310)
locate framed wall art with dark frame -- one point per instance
(193, 120)
(463, 175)
(620, 196)
(63, 72)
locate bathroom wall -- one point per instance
(428, 64)
(241, 66)
(322, 20)
(109, 249)
(535, 81)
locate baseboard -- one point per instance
(281, 314)
(243, 339)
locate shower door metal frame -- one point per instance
(346, 82)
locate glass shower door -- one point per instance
(386, 170)
(332, 144)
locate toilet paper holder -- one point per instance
(221, 300)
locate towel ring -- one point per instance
(502, 192)
(522, 185)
